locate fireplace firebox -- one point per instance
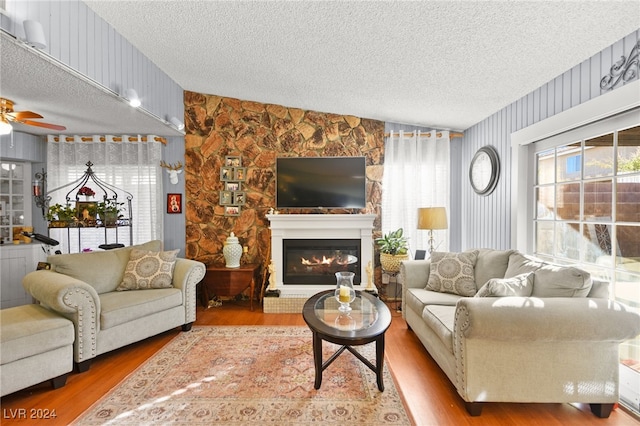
(315, 261)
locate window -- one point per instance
(587, 212)
(14, 190)
(130, 165)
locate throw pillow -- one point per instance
(561, 281)
(148, 269)
(453, 273)
(520, 285)
(520, 264)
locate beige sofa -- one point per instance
(82, 288)
(542, 333)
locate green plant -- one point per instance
(109, 209)
(60, 212)
(393, 243)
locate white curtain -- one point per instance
(416, 174)
(130, 163)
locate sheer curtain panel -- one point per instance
(416, 174)
(130, 163)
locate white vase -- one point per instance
(232, 252)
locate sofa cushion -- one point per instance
(453, 273)
(30, 330)
(149, 269)
(561, 281)
(91, 267)
(418, 298)
(119, 307)
(440, 319)
(599, 289)
(491, 264)
(550, 280)
(520, 285)
(520, 263)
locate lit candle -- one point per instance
(344, 294)
(37, 189)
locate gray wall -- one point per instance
(82, 40)
(486, 221)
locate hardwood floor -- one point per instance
(430, 398)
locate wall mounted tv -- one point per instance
(321, 182)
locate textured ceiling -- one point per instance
(446, 64)
(35, 83)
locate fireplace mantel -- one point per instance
(322, 227)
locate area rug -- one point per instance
(244, 375)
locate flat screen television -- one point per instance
(321, 182)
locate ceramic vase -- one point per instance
(232, 251)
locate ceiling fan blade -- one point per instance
(21, 115)
(45, 125)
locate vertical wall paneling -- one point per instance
(585, 81)
(82, 40)
(486, 221)
(575, 86)
(566, 90)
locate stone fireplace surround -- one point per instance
(318, 226)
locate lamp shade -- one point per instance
(432, 218)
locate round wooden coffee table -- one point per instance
(366, 323)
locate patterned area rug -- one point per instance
(243, 375)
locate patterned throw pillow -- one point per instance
(148, 269)
(453, 273)
(520, 285)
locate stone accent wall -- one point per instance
(259, 133)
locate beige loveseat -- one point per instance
(82, 288)
(541, 333)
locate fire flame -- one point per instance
(315, 261)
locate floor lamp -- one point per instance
(432, 218)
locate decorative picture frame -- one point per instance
(239, 198)
(232, 161)
(226, 198)
(232, 186)
(227, 173)
(174, 203)
(86, 210)
(240, 174)
(232, 211)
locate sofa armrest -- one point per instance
(73, 299)
(187, 274)
(415, 273)
(545, 319)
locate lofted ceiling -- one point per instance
(447, 64)
(444, 64)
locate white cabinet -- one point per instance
(15, 262)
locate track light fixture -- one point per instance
(176, 123)
(34, 34)
(132, 96)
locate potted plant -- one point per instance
(60, 216)
(393, 250)
(87, 192)
(109, 212)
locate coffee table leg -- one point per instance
(380, 361)
(317, 359)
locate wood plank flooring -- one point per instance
(430, 398)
